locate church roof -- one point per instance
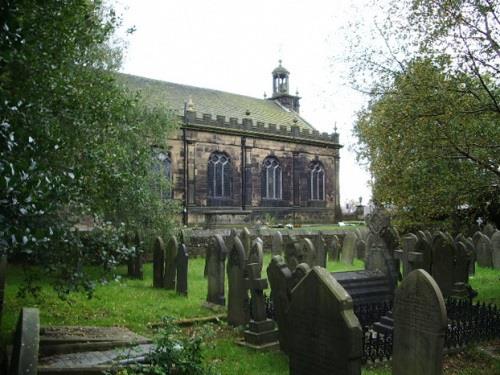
(214, 102)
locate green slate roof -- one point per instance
(213, 102)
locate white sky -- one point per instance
(233, 46)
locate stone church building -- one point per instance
(238, 159)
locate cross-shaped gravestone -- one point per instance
(409, 258)
(256, 284)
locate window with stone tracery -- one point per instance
(219, 175)
(271, 178)
(317, 181)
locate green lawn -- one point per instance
(135, 304)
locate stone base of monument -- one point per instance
(261, 335)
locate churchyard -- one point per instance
(295, 302)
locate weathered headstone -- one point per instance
(320, 247)
(326, 335)
(170, 255)
(277, 244)
(334, 249)
(237, 302)
(420, 323)
(488, 230)
(135, 262)
(261, 332)
(299, 273)
(409, 258)
(216, 258)
(256, 254)
(292, 251)
(495, 250)
(443, 254)
(25, 346)
(348, 248)
(424, 246)
(181, 265)
(360, 249)
(461, 266)
(158, 263)
(279, 276)
(308, 252)
(475, 237)
(246, 240)
(483, 252)
(471, 251)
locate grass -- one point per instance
(135, 304)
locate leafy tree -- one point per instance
(74, 143)
(431, 130)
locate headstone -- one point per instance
(256, 254)
(261, 332)
(461, 266)
(246, 240)
(170, 255)
(488, 230)
(308, 252)
(443, 254)
(409, 258)
(420, 323)
(216, 258)
(292, 251)
(360, 249)
(158, 263)
(135, 263)
(25, 346)
(237, 310)
(475, 237)
(424, 246)
(299, 273)
(277, 244)
(279, 276)
(320, 247)
(348, 248)
(471, 251)
(3, 275)
(483, 252)
(181, 265)
(495, 250)
(326, 335)
(334, 249)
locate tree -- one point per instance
(431, 130)
(74, 142)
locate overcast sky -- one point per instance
(233, 46)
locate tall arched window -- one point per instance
(163, 167)
(219, 175)
(317, 181)
(271, 178)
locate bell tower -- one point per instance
(281, 89)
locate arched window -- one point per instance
(162, 165)
(219, 175)
(271, 178)
(317, 182)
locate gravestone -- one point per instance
(360, 249)
(348, 248)
(237, 311)
(3, 275)
(256, 254)
(475, 237)
(24, 360)
(471, 250)
(299, 273)
(292, 251)
(488, 230)
(409, 258)
(420, 323)
(495, 250)
(261, 332)
(308, 253)
(279, 276)
(135, 262)
(461, 267)
(334, 249)
(277, 244)
(181, 267)
(424, 246)
(326, 335)
(443, 255)
(170, 267)
(483, 252)
(246, 240)
(320, 247)
(216, 258)
(158, 263)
